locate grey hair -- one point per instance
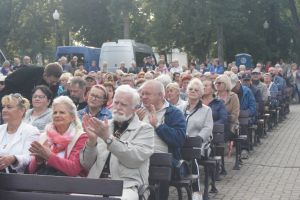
(65, 100)
(198, 83)
(164, 79)
(129, 90)
(226, 80)
(78, 81)
(158, 85)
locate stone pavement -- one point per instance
(272, 171)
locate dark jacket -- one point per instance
(247, 102)
(173, 131)
(24, 80)
(219, 112)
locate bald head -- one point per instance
(152, 93)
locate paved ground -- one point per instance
(273, 170)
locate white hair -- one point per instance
(198, 83)
(164, 79)
(157, 84)
(65, 100)
(129, 90)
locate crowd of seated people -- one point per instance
(107, 125)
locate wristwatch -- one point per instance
(109, 140)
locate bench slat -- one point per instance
(61, 184)
(161, 159)
(16, 195)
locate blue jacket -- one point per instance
(173, 131)
(219, 111)
(104, 113)
(247, 100)
(216, 69)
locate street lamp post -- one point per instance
(55, 16)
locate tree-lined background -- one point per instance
(202, 28)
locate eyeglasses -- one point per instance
(39, 96)
(96, 97)
(194, 89)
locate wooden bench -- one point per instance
(38, 187)
(160, 170)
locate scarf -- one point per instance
(58, 142)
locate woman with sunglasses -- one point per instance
(40, 114)
(232, 104)
(15, 135)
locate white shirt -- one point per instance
(159, 145)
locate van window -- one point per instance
(70, 56)
(140, 58)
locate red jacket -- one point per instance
(69, 166)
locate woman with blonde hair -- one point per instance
(223, 87)
(15, 135)
(57, 152)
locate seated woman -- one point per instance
(111, 93)
(217, 106)
(15, 135)
(96, 100)
(40, 114)
(232, 105)
(198, 119)
(57, 152)
(173, 95)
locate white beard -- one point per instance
(120, 118)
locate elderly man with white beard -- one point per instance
(120, 148)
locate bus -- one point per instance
(85, 54)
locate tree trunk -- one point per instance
(295, 16)
(220, 39)
(126, 24)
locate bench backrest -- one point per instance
(218, 134)
(191, 149)
(160, 167)
(23, 186)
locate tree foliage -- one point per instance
(27, 26)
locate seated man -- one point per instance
(168, 121)
(119, 149)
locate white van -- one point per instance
(123, 51)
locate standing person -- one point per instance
(96, 104)
(65, 65)
(6, 68)
(175, 67)
(134, 69)
(26, 61)
(58, 149)
(119, 149)
(168, 122)
(94, 67)
(40, 113)
(17, 64)
(123, 67)
(26, 78)
(296, 80)
(15, 135)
